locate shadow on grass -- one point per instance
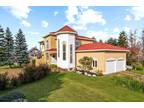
(40, 90)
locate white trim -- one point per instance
(102, 50)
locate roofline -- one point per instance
(68, 32)
(102, 50)
(85, 39)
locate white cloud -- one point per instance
(26, 23)
(21, 13)
(127, 29)
(116, 30)
(44, 24)
(128, 18)
(55, 13)
(136, 13)
(80, 17)
(101, 35)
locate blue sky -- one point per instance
(101, 22)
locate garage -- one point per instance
(110, 66)
(115, 65)
(120, 65)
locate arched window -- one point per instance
(64, 50)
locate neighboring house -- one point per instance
(33, 53)
(65, 47)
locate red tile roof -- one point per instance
(52, 49)
(99, 46)
(84, 38)
(66, 28)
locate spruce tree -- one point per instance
(122, 40)
(9, 47)
(112, 41)
(21, 52)
(2, 46)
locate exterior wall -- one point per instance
(40, 61)
(101, 57)
(69, 39)
(52, 44)
(85, 42)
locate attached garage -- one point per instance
(115, 65)
(110, 66)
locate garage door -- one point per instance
(110, 66)
(120, 65)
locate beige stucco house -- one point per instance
(65, 47)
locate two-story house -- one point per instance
(65, 47)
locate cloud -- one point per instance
(116, 30)
(101, 35)
(128, 18)
(21, 13)
(80, 17)
(44, 24)
(127, 29)
(26, 23)
(55, 13)
(136, 13)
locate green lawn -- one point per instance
(138, 71)
(75, 87)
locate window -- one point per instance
(94, 63)
(64, 50)
(58, 48)
(47, 45)
(71, 56)
(77, 42)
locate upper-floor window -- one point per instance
(64, 50)
(58, 48)
(94, 63)
(47, 44)
(77, 42)
(71, 53)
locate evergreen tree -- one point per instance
(100, 41)
(21, 48)
(112, 41)
(94, 39)
(2, 46)
(9, 47)
(122, 40)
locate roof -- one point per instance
(98, 46)
(52, 49)
(84, 38)
(66, 28)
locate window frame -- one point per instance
(64, 50)
(71, 53)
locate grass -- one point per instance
(74, 87)
(138, 71)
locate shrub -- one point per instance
(3, 81)
(86, 62)
(29, 74)
(99, 73)
(53, 67)
(35, 73)
(13, 96)
(129, 83)
(137, 66)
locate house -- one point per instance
(65, 47)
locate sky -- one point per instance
(101, 22)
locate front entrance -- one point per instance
(53, 59)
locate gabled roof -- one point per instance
(98, 46)
(66, 28)
(84, 38)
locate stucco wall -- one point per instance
(101, 57)
(85, 41)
